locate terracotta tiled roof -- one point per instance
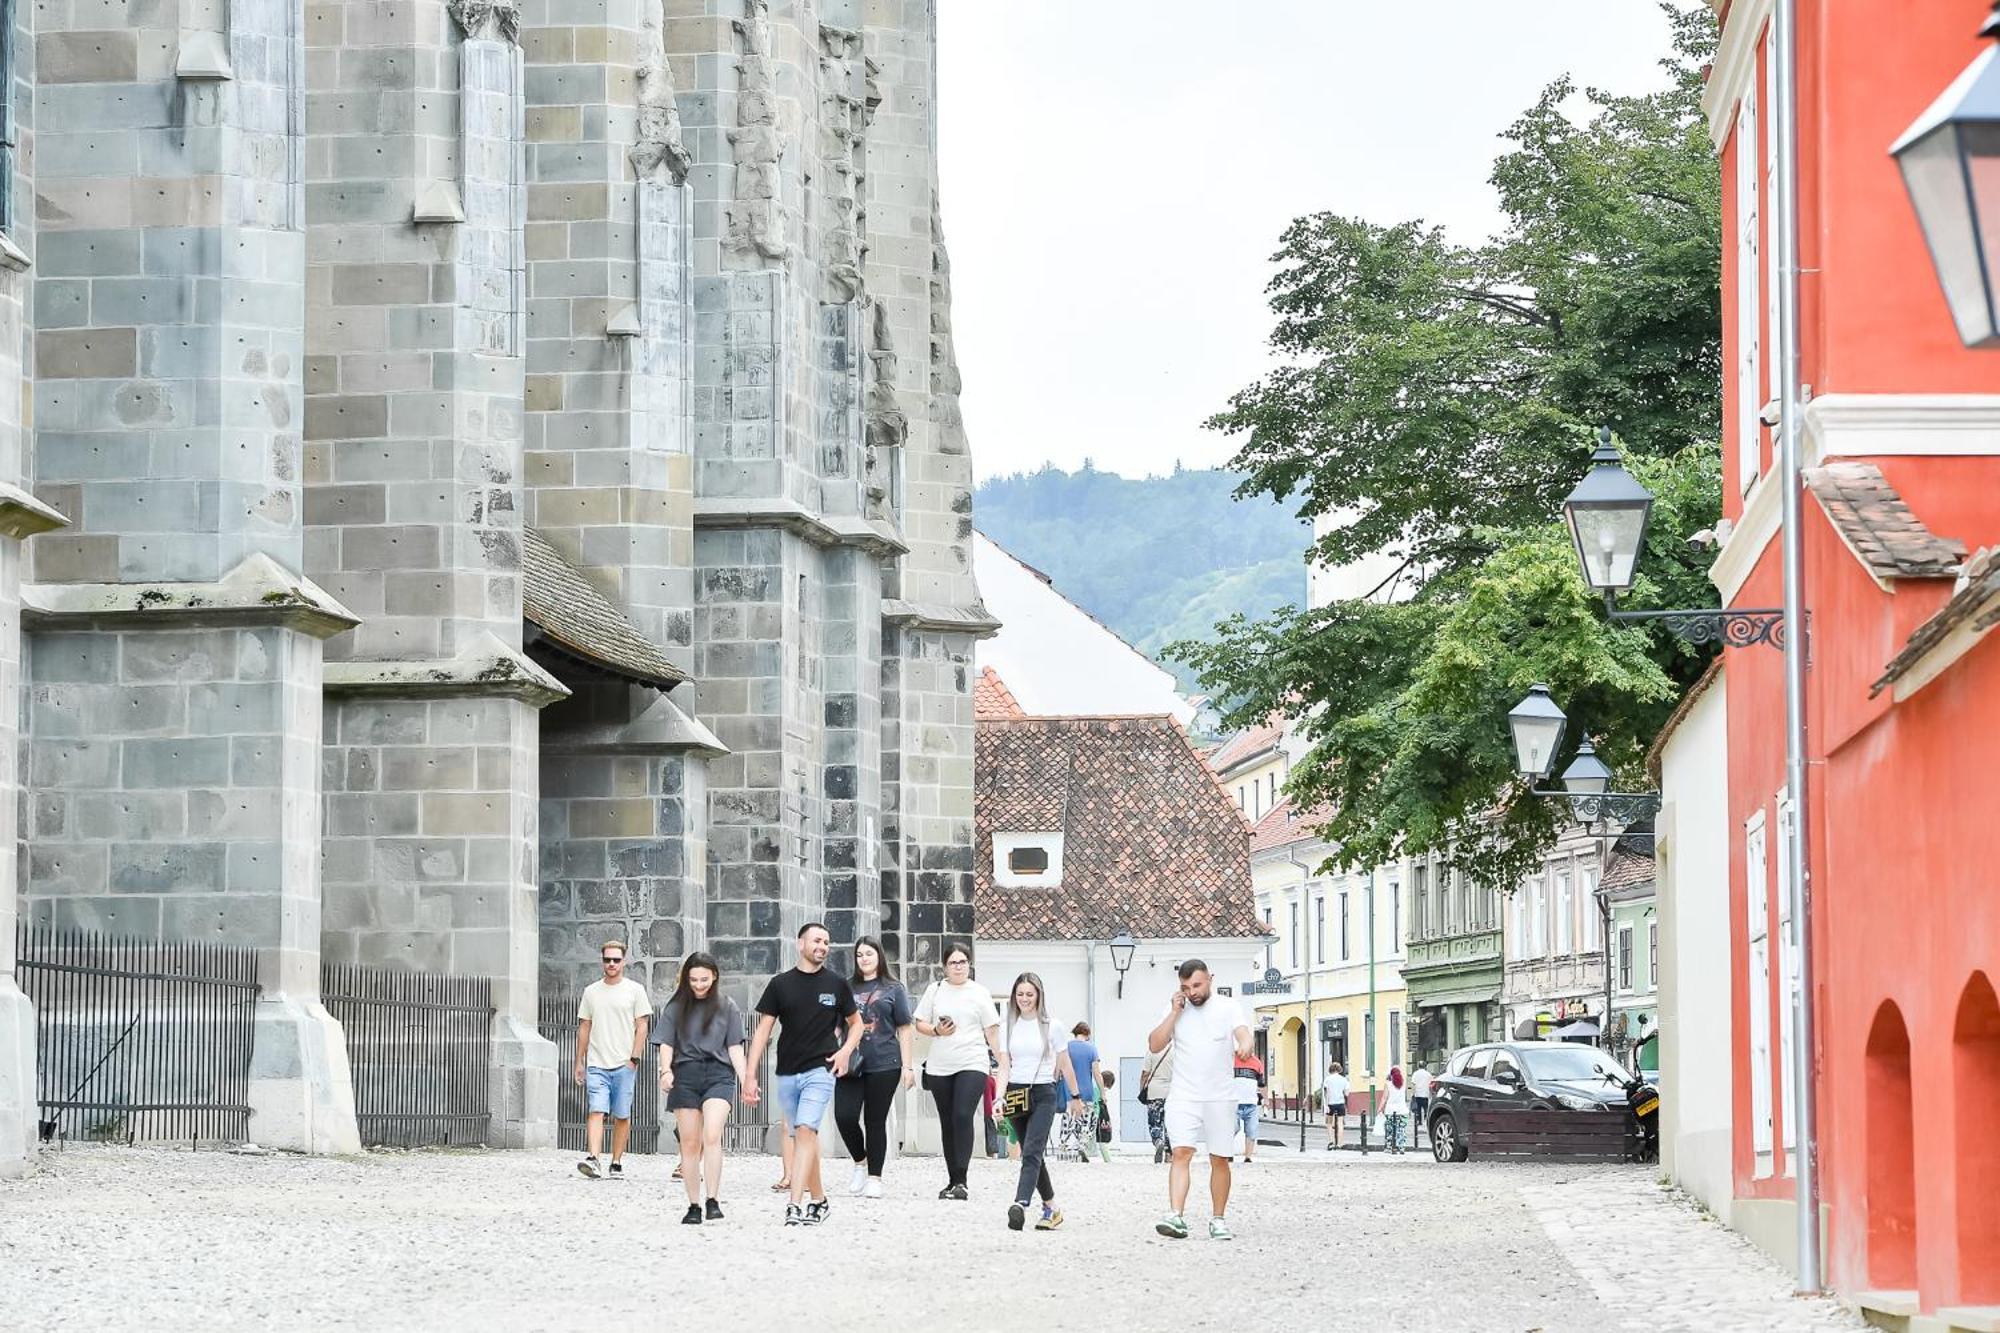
(992, 699)
(1872, 519)
(1246, 743)
(1150, 843)
(1628, 867)
(579, 621)
(1976, 600)
(1284, 824)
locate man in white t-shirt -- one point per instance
(1208, 1034)
(1420, 1102)
(1333, 1094)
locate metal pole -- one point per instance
(1604, 910)
(1374, 1019)
(1784, 42)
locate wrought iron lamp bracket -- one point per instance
(1730, 627)
(1607, 807)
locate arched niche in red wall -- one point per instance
(1975, 1097)
(1892, 1174)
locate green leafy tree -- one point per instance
(1438, 401)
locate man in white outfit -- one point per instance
(1208, 1034)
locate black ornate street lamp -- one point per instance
(1536, 722)
(1950, 159)
(1123, 946)
(1608, 514)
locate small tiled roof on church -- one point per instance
(579, 621)
(992, 699)
(1150, 844)
(1878, 526)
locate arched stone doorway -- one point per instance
(1975, 1097)
(1892, 1177)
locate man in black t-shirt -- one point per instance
(809, 1005)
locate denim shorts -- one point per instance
(1246, 1118)
(699, 1081)
(803, 1098)
(611, 1090)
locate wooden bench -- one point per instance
(1571, 1135)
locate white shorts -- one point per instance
(1211, 1124)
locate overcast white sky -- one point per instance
(1116, 174)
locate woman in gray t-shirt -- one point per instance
(700, 1035)
(881, 1066)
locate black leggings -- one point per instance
(1031, 1131)
(957, 1097)
(861, 1103)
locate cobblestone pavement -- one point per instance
(137, 1238)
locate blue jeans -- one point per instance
(610, 1090)
(803, 1098)
(1246, 1118)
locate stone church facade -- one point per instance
(477, 477)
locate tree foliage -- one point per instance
(1438, 399)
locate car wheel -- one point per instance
(1446, 1146)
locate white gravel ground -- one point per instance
(136, 1238)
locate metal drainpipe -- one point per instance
(1090, 986)
(1310, 1044)
(1374, 1019)
(1791, 403)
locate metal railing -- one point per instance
(556, 1020)
(419, 1045)
(139, 1040)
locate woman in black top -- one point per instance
(700, 1034)
(861, 1100)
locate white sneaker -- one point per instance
(873, 1189)
(859, 1182)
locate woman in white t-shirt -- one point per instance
(963, 1023)
(1036, 1073)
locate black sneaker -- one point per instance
(945, 1193)
(958, 1193)
(816, 1211)
(714, 1211)
(1017, 1216)
(794, 1215)
(587, 1168)
(693, 1216)
(617, 1171)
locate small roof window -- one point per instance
(1027, 860)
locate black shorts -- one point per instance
(698, 1081)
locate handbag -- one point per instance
(1103, 1122)
(1014, 1102)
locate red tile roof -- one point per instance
(1150, 842)
(1247, 743)
(992, 699)
(1872, 518)
(1628, 867)
(1284, 824)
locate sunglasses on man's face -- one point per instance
(609, 959)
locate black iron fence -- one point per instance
(419, 1045)
(139, 1040)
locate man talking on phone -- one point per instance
(1209, 1035)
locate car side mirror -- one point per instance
(1511, 1077)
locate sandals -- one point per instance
(782, 1187)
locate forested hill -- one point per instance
(1157, 559)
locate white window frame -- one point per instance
(1565, 914)
(1346, 942)
(1005, 844)
(1319, 928)
(1758, 932)
(1749, 294)
(1593, 914)
(1624, 959)
(1294, 948)
(1653, 954)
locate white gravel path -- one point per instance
(137, 1238)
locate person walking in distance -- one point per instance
(1080, 1131)
(1036, 1073)
(1156, 1080)
(1333, 1091)
(809, 1006)
(1208, 1034)
(962, 1021)
(700, 1036)
(1420, 1102)
(881, 1065)
(610, 1041)
(1395, 1107)
(1249, 1072)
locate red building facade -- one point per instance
(1902, 446)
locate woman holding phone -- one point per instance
(962, 1021)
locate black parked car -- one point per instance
(1539, 1075)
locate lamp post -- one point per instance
(1950, 160)
(1122, 946)
(1608, 514)
(1538, 724)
